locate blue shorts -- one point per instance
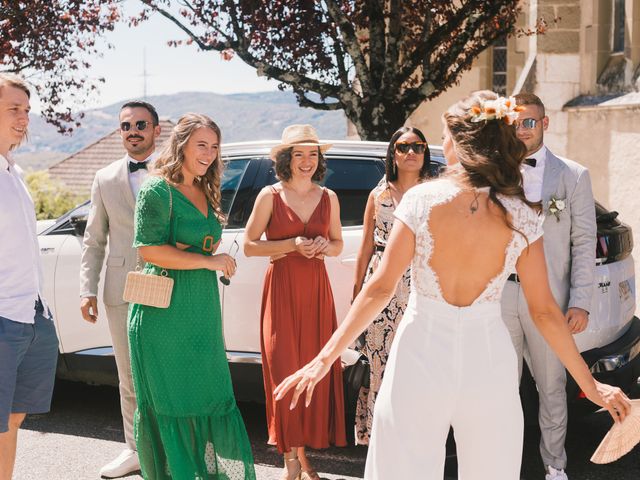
(28, 358)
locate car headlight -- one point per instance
(613, 362)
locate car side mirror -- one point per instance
(79, 224)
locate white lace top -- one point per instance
(414, 211)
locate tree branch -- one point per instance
(377, 43)
(288, 76)
(304, 101)
(392, 63)
(340, 62)
(351, 43)
(461, 42)
(430, 41)
(177, 23)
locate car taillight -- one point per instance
(615, 240)
(602, 249)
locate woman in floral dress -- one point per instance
(407, 164)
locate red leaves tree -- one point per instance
(376, 60)
(51, 42)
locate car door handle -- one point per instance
(350, 260)
(47, 250)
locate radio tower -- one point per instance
(144, 73)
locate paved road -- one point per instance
(83, 432)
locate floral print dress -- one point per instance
(379, 335)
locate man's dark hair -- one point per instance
(147, 106)
(530, 99)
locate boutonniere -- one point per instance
(556, 206)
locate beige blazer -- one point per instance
(110, 223)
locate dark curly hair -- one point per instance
(489, 151)
(392, 173)
(283, 165)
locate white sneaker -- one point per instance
(123, 464)
(555, 474)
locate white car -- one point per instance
(611, 344)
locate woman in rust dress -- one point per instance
(302, 225)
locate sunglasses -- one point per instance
(526, 124)
(140, 125)
(417, 147)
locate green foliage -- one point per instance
(50, 197)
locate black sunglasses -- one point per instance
(232, 253)
(417, 147)
(140, 125)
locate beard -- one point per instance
(141, 147)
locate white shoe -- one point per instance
(124, 464)
(555, 474)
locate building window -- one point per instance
(618, 26)
(499, 80)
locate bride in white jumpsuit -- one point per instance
(452, 363)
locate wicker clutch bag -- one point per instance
(148, 289)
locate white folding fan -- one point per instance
(621, 438)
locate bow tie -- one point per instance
(135, 166)
(531, 162)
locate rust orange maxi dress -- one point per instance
(298, 318)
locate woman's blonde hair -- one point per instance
(12, 80)
(171, 159)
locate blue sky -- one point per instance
(169, 69)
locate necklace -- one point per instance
(473, 208)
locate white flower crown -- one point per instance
(500, 108)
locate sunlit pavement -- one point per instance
(83, 432)
(56, 456)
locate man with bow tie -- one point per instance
(563, 188)
(113, 195)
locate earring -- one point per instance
(395, 168)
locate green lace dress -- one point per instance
(187, 425)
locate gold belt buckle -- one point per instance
(208, 243)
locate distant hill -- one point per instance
(241, 117)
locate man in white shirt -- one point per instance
(564, 189)
(28, 341)
(110, 222)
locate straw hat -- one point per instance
(299, 135)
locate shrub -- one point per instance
(50, 197)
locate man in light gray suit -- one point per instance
(564, 189)
(110, 225)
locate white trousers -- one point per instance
(117, 317)
(448, 366)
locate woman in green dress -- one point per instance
(187, 425)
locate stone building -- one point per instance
(586, 69)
